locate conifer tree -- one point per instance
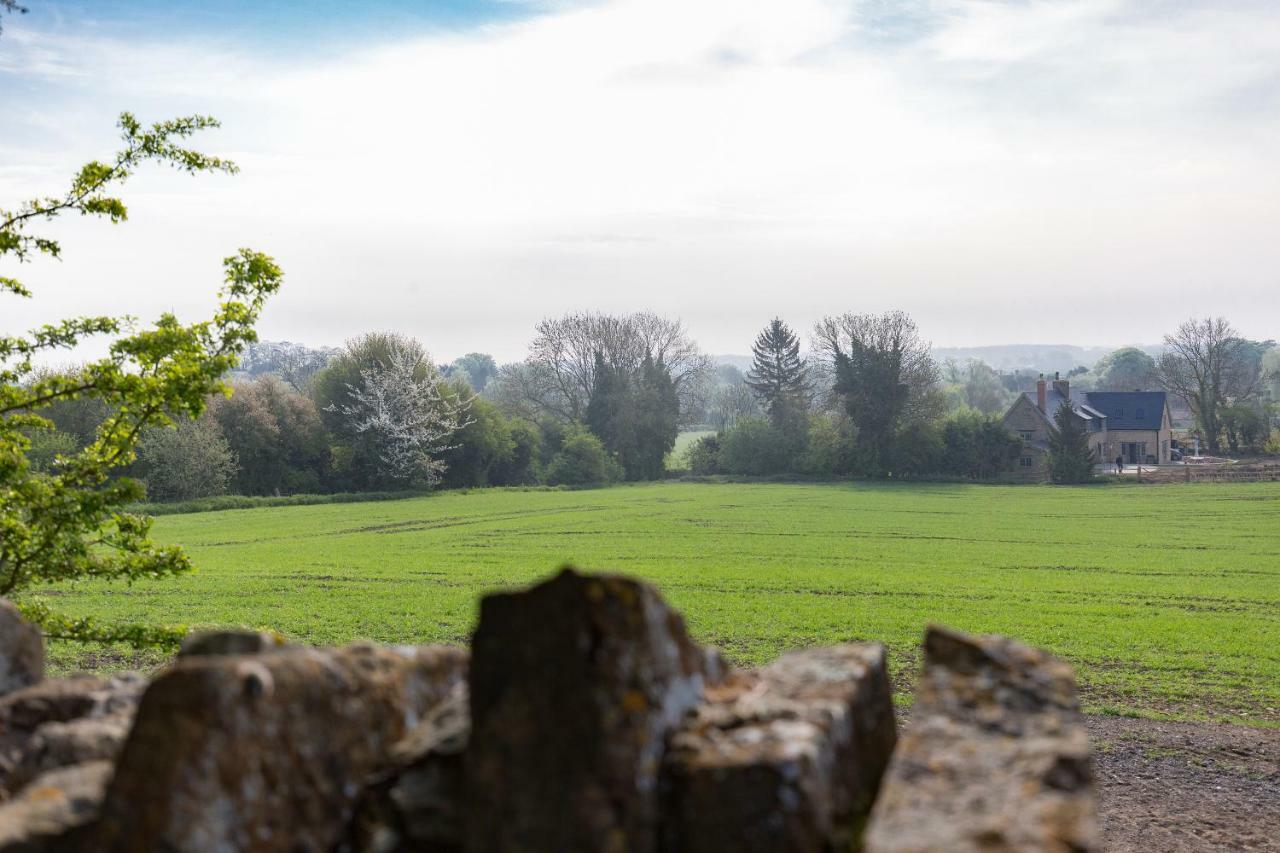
(778, 375)
(1071, 460)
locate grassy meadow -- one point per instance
(1166, 598)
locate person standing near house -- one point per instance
(1120, 464)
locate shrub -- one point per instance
(582, 460)
(703, 456)
(829, 449)
(753, 447)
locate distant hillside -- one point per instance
(1045, 358)
(742, 362)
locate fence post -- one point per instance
(1188, 468)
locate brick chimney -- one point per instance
(1041, 387)
(1062, 386)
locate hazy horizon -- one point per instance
(1093, 171)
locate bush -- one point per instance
(753, 447)
(829, 450)
(978, 447)
(582, 460)
(190, 460)
(703, 456)
(915, 451)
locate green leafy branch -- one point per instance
(68, 524)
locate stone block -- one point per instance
(996, 756)
(575, 685)
(787, 758)
(266, 752)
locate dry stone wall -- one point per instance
(584, 718)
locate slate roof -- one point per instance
(1130, 409)
(1120, 409)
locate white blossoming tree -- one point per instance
(403, 407)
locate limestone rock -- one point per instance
(55, 700)
(21, 650)
(787, 758)
(53, 810)
(417, 805)
(56, 745)
(265, 752)
(996, 756)
(60, 722)
(208, 643)
(575, 685)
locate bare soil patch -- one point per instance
(1177, 787)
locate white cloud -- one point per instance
(1089, 171)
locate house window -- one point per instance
(1025, 462)
(1027, 434)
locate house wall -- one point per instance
(1157, 442)
(1037, 472)
(1023, 416)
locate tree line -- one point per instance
(601, 398)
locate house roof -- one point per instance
(1120, 409)
(1052, 400)
(1130, 409)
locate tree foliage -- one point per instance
(401, 408)
(277, 436)
(192, 460)
(884, 375)
(1071, 459)
(778, 375)
(10, 7)
(635, 414)
(582, 461)
(1126, 369)
(1210, 366)
(68, 523)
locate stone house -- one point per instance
(1134, 425)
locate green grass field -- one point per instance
(1166, 598)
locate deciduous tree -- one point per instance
(1210, 366)
(884, 375)
(399, 406)
(69, 523)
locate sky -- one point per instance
(1089, 172)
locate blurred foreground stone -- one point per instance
(575, 685)
(584, 719)
(996, 758)
(21, 650)
(786, 758)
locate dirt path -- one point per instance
(1175, 787)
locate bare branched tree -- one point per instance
(406, 414)
(893, 334)
(1210, 366)
(559, 374)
